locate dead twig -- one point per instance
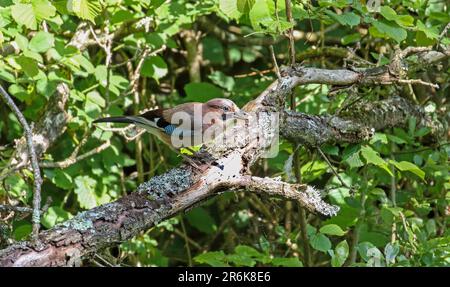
(36, 219)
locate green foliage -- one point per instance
(244, 256)
(396, 212)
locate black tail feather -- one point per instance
(125, 120)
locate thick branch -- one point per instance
(161, 197)
(356, 124)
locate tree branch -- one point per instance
(356, 124)
(36, 219)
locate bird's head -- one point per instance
(227, 108)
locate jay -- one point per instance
(185, 125)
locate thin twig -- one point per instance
(255, 73)
(188, 249)
(74, 159)
(393, 196)
(418, 81)
(122, 132)
(24, 209)
(21, 209)
(187, 238)
(290, 31)
(444, 32)
(422, 149)
(131, 85)
(36, 218)
(332, 168)
(107, 47)
(275, 64)
(307, 256)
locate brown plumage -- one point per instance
(186, 124)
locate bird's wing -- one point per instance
(155, 119)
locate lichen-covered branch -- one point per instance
(355, 124)
(161, 197)
(306, 195)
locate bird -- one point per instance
(186, 125)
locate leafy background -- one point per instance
(398, 215)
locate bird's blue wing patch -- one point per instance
(169, 129)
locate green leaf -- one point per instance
(330, 149)
(346, 19)
(240, 260)
(154, 67)
(370, 254)
(85, 191)
(409, 166)
(244, 6)
(62, 179)
(230, 8)
(201, 220)
(28, 14)
(55, 215)
(100, 74)
(352, 38)
(23, 14)
(7, 76)
(333, 3)
(287, 262)
(17, 187)
(85, 9)
(320, 242)
(80, 61)
(247, 251)
(213, 50)
(379, 137)
(354, 160)
(390, 14)
(43, 9)
(202, 92)
(222, 80)
(41, 42)
(214, 259)
(340, 254)
(372, 157)
(396, 139)
(391, 251)
(121, 16)
(28, 65)
(22, 42)
(22, 231)
(381, 29)
(430, 32)
(332, 229)
(95, 98)
(261, 14)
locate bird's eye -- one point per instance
(226, 109)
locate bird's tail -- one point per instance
(124, 119)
